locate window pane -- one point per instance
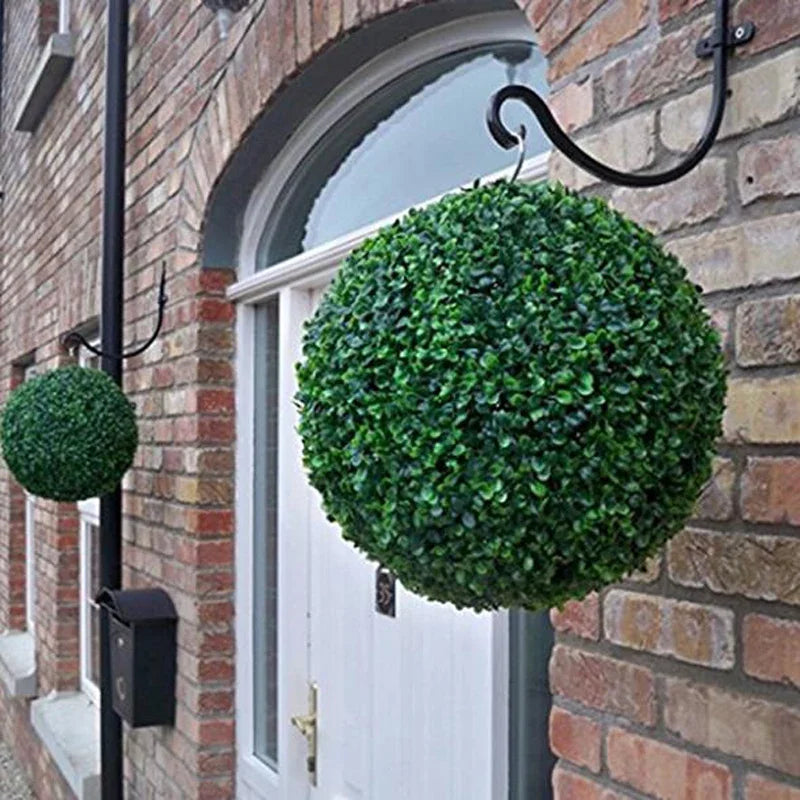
(265, 518)
(94, 560)
(91, 543)
(412, 140)
(94, 645)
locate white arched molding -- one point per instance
(505, 26)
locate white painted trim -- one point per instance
(63, 16)
(89, 511)
(252, 775)
(88, 686)
(501, 675)
(317, 265)
(314, 268)
(458, 35)
(30, 563)
(30, 372)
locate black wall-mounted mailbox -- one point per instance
(143, 626)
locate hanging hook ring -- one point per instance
(520, 137)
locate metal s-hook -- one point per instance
(520, 137)
(717, 45)
(75, 339)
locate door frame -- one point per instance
(303, 272)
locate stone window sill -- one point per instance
(18, 664)
(51, 72)
(69, 726)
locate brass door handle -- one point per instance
(307, 725)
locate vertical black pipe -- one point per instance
(111, 332)
(531, 760)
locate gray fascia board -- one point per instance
(51, 72)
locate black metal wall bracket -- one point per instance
(737, 35)
(706, 48)
(76, 339)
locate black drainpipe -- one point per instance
(111, 332)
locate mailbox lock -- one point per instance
(121, 690)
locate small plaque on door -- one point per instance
(385, 592)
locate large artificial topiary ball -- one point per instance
(69, 434)
(511, 397)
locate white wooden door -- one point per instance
(409, 708)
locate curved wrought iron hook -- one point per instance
(718, 44)
(75, 339)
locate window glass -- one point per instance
(265, 516)
(415, 138)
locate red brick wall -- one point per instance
(683, 683)
(695, 631)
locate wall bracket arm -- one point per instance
(710, 47)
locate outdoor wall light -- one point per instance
(225, 10)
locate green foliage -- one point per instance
(511, 397)
(69, 434)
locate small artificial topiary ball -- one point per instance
(511, 397)
(69, 434)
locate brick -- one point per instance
(749, 254)
(699, 196)
(620, 21)
(721, 320)
(655, 69)
(769, 169)
(772, 649)
(750, 107)
(570, 786)
(753, 729)
(776, 22)
(763, 410)
(628, 145)
(581, 617)
(698, 634)
(667, 9)
(649, 574)
(771, 490)
(664, 772)
(575, 738)
(604, 683)
(768, 332)
(716, 501)
(563, 20)
(758, 788)
(758, 567)
(573, 105)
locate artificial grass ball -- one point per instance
(69, 434)
(511, 397)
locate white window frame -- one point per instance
(30, 542)
(63, 16)
(312, 268)
(89, 513)
(30, 563)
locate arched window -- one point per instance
(405, 127)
